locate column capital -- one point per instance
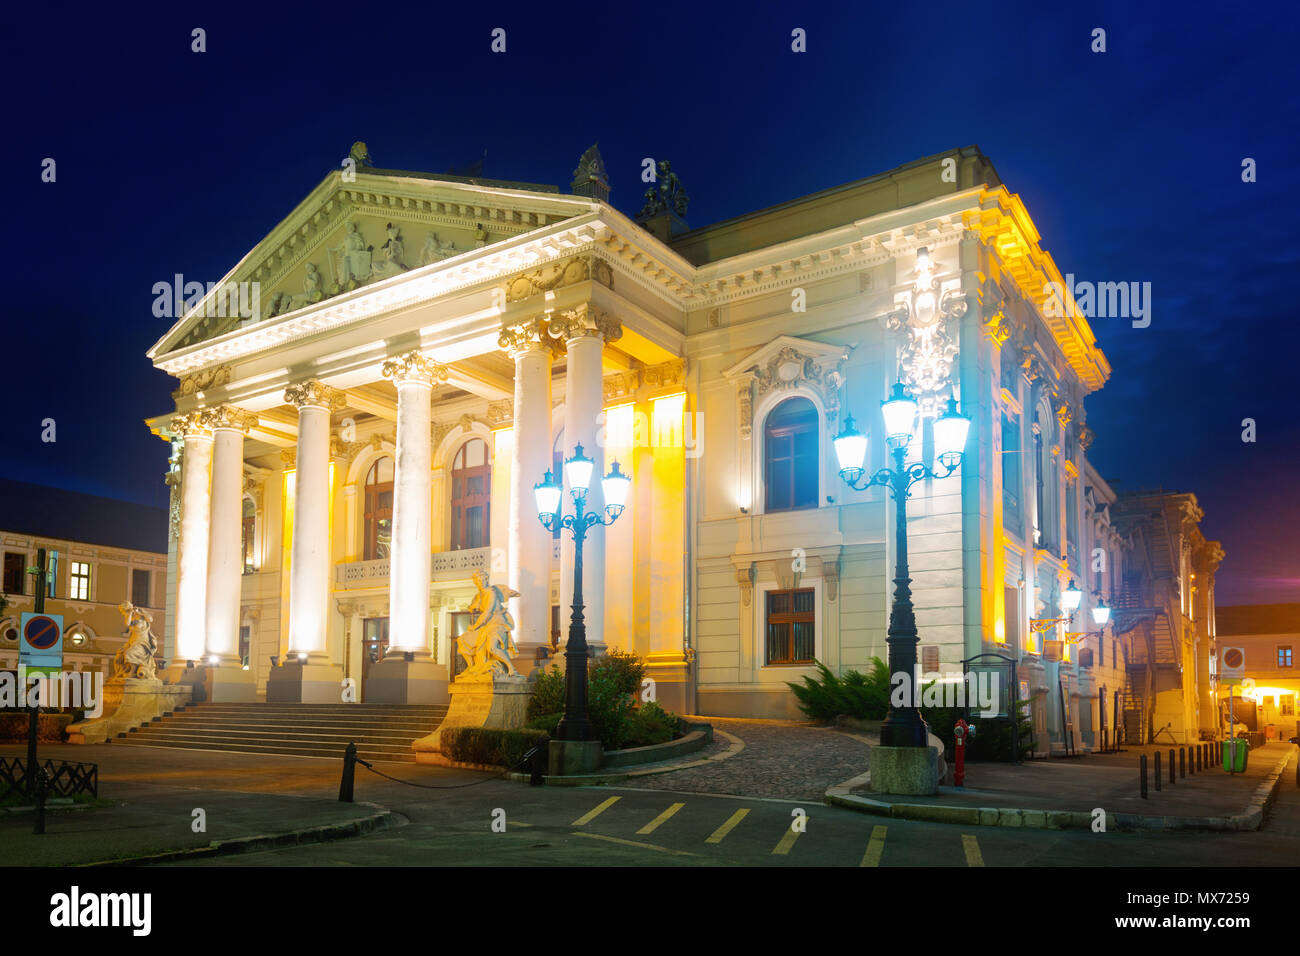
(192, 425)
(229, 417)
(314, 394)
(414, 368)
(529, 336)
(585, 320)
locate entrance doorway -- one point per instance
(374, 643)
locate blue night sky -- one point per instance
(171, 161)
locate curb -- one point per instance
(1252, 818)
(325, 833)
(607, 779)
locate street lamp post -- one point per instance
(903, 726)
(575, 724)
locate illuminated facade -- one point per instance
(430, 346)
(1269, 637)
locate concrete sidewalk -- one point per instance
(1061, 793)
(148, 799)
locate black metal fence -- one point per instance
(65, 779)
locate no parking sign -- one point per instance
(41, 645)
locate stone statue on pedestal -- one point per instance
(136, 658)
(488, 646)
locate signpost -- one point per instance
(41, 647)
(1232, 670)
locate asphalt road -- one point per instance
(498, 823)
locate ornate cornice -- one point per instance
(585, 320)
(314, 394)
(621, 385)
(665, 374)
(500, 413)
(414, 368)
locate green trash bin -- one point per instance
(1235, 753)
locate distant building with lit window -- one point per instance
(100, 552)
(1269, 635)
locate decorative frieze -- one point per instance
(314, 394)
(500, 413)
(202, 380)
(557, 275)
(927, 317)
(745, 407)
(414, 367)
(665, 374)
(621, 385)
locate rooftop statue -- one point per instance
(670, 197)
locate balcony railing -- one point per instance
(447, 566)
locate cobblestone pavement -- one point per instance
(782, 760)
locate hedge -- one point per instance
(482, 745)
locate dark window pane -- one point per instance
(803, 641)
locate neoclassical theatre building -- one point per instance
(428, 347)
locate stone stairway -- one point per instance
(380, 731)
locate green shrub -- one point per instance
(608, 707)
(864, 696)
(548, 694)
(625, 668)
(501, 748)
(651, 724)
(547, 722)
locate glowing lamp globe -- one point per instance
(950, 431)
(900, 416)
(850, 450)
(1101, 614)
(578, 470)
(1071, 598)
(547, 493)
(615, 485)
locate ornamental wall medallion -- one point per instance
(557, 275)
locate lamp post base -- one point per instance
(570, 757)
(910, 771)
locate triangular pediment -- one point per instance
(785, 358)
(347, 235)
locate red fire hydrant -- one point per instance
(960, 732)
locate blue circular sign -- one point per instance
(42, 633)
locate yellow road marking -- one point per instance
(658, 821)
(972, 848)
(722, 831)
(787, 841)
(644, 846)
(591, 815)
(875, 847)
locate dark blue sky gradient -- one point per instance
(171, 161)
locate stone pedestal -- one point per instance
(297, 682)
(129, 703)
(395, 680)
(571, 757)
(909, 771)
(500, 703)
(230, 683)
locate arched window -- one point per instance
(790, 456)
(249, 536)
(379, 509)
(471, 487)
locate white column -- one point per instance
(585, 331)
(224, 558)
(192, 558)
(529, 541)
(309, 572)
(411, 566)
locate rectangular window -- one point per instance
(791, 624)
(15, 573)
(140, 587)
(1288, 705)
(79, 581)
(1011, 471)
(1284, 656)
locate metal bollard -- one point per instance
(1142, 774)
(349, 772)
(1200, 757)
(1173, 767)
(42, 791)
(1191, 761)
(1157, 774)
(1182, 762)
